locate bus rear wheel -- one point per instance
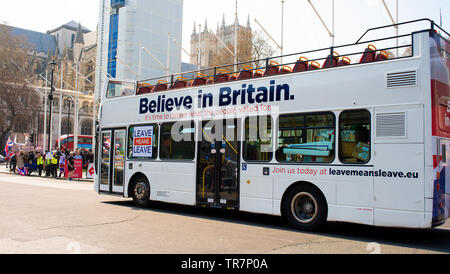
(141, 192)
(305, 208)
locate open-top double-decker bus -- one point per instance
(361, 136)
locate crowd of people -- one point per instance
(51, 164)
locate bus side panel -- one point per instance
(440, 101)
(399, 168)
(169, 181)
(256, 190)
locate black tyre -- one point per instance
(305, 208)
(141, 192)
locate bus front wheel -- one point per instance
(305, 207)
(141, 192)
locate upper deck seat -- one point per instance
(382, 55)
(301, 65)
(162, 85)
(272, 69)
(210, 80)
(345, 61)
(331, 61)
(313, 65)
(199, 80)
(258, 73)
(181, 82)
(245, 73)
(144, 88)
(233, 76)
(369, 54)
(222, 75)
(285, 69)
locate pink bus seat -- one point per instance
(285, 69)
(382, 55)
(369, 54)
(210, 80)
(144, 88)
(181, 82)
(246, 73)
(258, 73)
(162, 85)
(301, 65)
(331, 61)
(233, 76)
(313, 66)
(199, 80)
(345, 61)
(222, 76)
(272, 69)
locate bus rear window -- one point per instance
(117, 89)
(444, 114)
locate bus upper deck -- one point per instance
(361, 52)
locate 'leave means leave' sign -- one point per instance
(143, 142)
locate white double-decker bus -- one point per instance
(360, 137)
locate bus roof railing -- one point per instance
(260, 64)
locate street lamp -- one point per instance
(50, 98)
(282, 29)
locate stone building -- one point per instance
(207, 51)
(73, 47)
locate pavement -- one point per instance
(5, 170)
(44, 215)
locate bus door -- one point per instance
(218, 163)
(112, 161)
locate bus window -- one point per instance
(306, 138)
(143, 142)
(354, 140)
(180, 145)
(258, 139)
(116, 89)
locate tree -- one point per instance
(260, 48)
(18, 103)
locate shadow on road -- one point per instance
(437, 239)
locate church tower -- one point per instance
(78, 45)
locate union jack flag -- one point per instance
(22, 171)
(117, 146)
(8, 146)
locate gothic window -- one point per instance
(72, 40)
(86, 127)
(66, 126)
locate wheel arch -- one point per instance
(283, 199)
(133, 179)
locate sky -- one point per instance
(303, 30)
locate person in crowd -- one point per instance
(89, 157)
(7, 159)
(70, 165)
(40, 163)
(25, 161)
(13, 162)
(78, 155)
(83, 156)
(31, 163)
(54, 162)
(62, 162)
(48, 164)
(21, 160)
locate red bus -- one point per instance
(67, 141)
